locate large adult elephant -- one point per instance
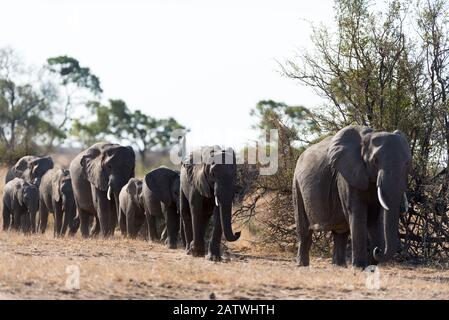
(353, 182)
(56, 196)
(30, 168)
(20, 204)
(98, 174)
(207, 188)
(160, 193)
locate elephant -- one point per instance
(208, 177)
(56, 196)
(30, 168)
(161, 200)
(98, 175)
(21, 202)
(352, 183)
(132, 212)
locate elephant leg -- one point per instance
(164, 235)
(43, 217)
(95, 229)
(58, 214)
(25, 223)
(17, 219)
(84, 222)
(65, 223)
(123, 224)
(214, 245)
(33, 222)
(154, 211)
(131, 229)
(6, 217)
(152, 227)
(182, 232)
(104, 211)
(186, 217)
(199, 221)
(305, 243)
(339, 250)
(113, 220)
(302, 228)
(172, 226)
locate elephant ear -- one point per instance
(345, 155)
(159, 181)
(92, 164)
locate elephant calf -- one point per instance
(132, 212)
(160, 192)
(56, 196)
(20, 202)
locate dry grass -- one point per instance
(34, 267)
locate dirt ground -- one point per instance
(41, 267)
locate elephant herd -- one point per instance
(99, 193)
(352, 184)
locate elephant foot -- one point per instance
(198, 251)
(215, 258)
(302, 262)
(359, 265)
(172, 245)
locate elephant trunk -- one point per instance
(390, 195)
(226, 221)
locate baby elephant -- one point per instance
(132, 215)
(160, 192)
(20, 202)
(56, 196)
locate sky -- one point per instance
(206, 63)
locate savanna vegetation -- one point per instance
(385, 66)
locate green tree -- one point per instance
(137, 128)
(25, 109)
(75, 86)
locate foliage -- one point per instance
(137, 128)
(375, 70)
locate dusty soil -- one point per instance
(34, 267)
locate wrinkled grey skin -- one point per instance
(335, 188)
(56, 196)
(161, 200)
(213, 178)
(30, 168)
(93, 172)
(20, 204)
(132, 212)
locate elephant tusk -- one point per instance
(109, 194)
(382, 202)
(406, 206)
(216, 201)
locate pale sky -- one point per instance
(206, 63)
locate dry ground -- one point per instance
(34, 267)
